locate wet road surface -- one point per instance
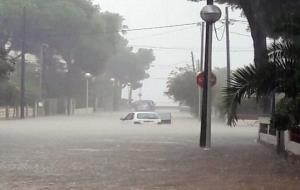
(98, 152)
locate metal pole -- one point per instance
(193, 62)
(201, 66)
(208, 127)
(113, 96)
(205, 113)
(227, 47)
(87, 94)
(202, 45)
(41, 72)
(41, 77)
(23, 67)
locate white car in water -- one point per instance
(142, 118)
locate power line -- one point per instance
(185, 48)
(93, 33)
(162, 33)
(216, 33)
(160, 27)
(163, 48)
(220, 27)
(157, 78)
(237, 20)
(240, 34)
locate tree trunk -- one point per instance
(280, 142)
(7, 112)
(260, 46)
(258, 32)
(117, 95)
(259, 36)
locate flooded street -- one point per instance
(99, 152)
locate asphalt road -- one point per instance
(98, 152)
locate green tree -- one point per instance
(182, 88)
(280, 74)
(266, 18)
(129, 68)
(76, 31)
(252, 11)
(6, 64)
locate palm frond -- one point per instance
(242, 84)
(278, 74)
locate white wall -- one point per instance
(290, 146)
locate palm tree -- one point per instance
(278, 75)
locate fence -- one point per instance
(14, 112)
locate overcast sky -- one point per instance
(172, 47)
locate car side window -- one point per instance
(129, 116)
(147, 116)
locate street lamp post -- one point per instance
(87, 76)
(42, 75)
(210, 14)
(113, 94)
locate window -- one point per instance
(129, 116)
(147, 116)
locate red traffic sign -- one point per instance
(200, 79)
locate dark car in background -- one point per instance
(165, 117)
(144, 105)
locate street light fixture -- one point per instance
(87, 76)
(210, 14)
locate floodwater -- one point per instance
(94, 152)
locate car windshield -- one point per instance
(147, 116)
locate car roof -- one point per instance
(145, 112)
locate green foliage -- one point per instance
(6, 64)
(287, 115)
(279, 74)
(289, 107)
(9, 93)
(243, 83)
(76, 29)
(281, 121)
(130, 67)
(79, 38)
(182, 87)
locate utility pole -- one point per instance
(87, 95)
(202, 45)
(210, 14)
(23, 66)
(201, 66)
(227, 46)
(205, 112)
(193, 62)
(41, 72)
